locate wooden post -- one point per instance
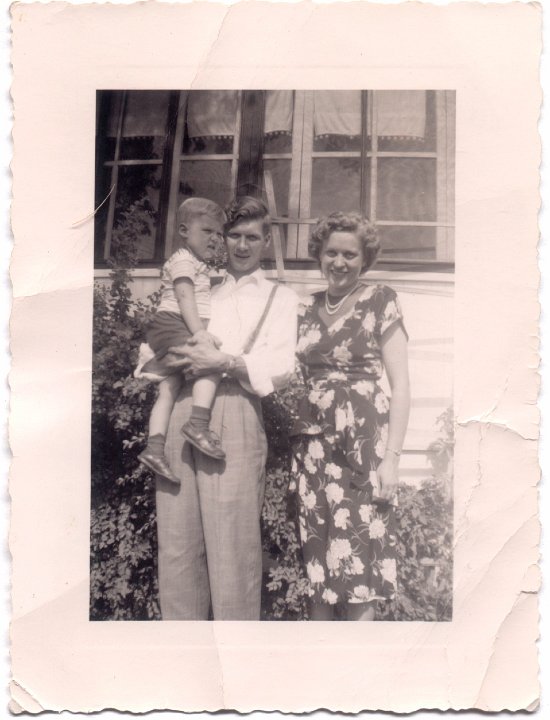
(275, 229)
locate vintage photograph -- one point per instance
(275, 357)
(272, 386)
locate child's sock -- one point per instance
(200, 417)
(155, 444)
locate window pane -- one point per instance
(336, 143)
(336, 120)
(335, 185)
(277, 144)
(206, 178)
(408, 242)
(406, 189)
(137, 204)
(211, 122)
(144, 124)
(208, 146)
(404, 138)
(279, 117)
(107, 114)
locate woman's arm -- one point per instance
(394, 356)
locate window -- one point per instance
(131, 147)
(387, 153)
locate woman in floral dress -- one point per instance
(350, 434)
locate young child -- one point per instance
(183, 313)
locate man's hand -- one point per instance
(198, 357)
(201, 335)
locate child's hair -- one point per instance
(247, 208)
(195, 207)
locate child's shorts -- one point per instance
(166, 330)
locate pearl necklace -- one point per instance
(332, 309)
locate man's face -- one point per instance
(246, 242)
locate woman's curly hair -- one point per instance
(338, 221)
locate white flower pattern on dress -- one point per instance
(363, 593)
(391, 314)
(339, 550)
(309, 464)
(340, 419)
(330, 597)
(335, 492)
(338, 325)
(341, 518)
(333, 471)
(381, 403)
(380, 449)
(316, 450)
(369, 322)
(309, 500)
(364, 387)
(365, 513)
(314, 429)
(315, 572)
(310, 338)
(388, 570)
(326, 400)
(337, 375)
(377, 529)
(341, 354)
(346, 540)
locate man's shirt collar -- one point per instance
(256, 277)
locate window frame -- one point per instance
(247, 159)
(106, 191)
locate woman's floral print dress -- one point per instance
(348, 541)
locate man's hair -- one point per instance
(245, 209)
(196, 207)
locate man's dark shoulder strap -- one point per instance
(254, 335)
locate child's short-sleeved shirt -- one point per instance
(183, 264)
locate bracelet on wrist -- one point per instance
(230, 365)
(397, 453)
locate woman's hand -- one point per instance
(388, 477)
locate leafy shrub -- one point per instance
(123, 534)
(284, 586)
(425, 537)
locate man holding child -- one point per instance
(209, 540)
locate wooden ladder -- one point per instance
(275, 229)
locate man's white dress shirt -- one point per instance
(236, 307)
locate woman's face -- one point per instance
(341, 261)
